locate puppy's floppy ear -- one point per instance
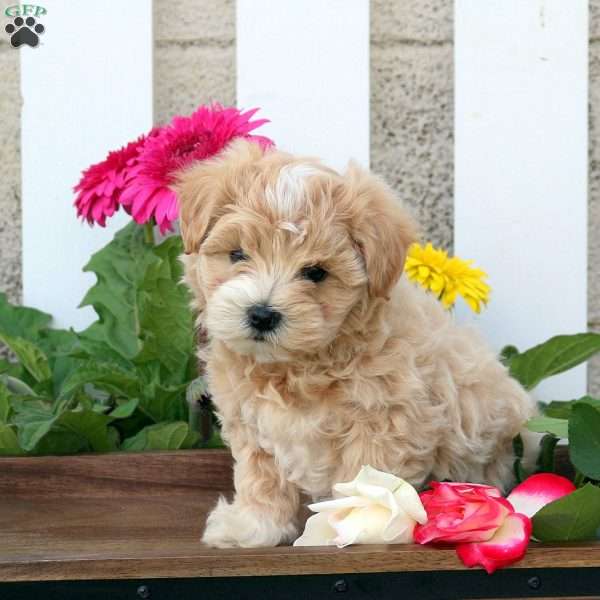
(201, 197)
(206, 188)
(381, 228)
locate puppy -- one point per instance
(321, 357)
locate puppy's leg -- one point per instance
(264, 510)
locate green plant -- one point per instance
(576, 516)
(120, 384)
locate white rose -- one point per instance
(375, 508)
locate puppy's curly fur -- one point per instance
(362, 367)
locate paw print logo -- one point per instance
(24, 31)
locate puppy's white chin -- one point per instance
(262, 351)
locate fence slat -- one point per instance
(306, 64)
(521, 167)
(87, 89)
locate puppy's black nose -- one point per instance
(263, 318)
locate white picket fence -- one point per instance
(520, 130)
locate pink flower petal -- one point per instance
(128, 195)
(144, 205)
(165, 197)
(100, 184)
(507, 546)
(173, 209)
(165, 226)
(138, 175)
(537, 491)
(461, 512)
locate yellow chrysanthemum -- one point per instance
(447, 277)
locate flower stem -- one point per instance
(149, 232)
(579, 479)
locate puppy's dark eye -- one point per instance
(237, 255)
(315, 273)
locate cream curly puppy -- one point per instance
(321, 357)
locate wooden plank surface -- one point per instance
(133, 518)
(109, 475)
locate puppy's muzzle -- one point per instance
(263, 319)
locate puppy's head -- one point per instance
(280, 250)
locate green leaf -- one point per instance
(89, 425)
(584, 439)
(142, 305)
(129, 426)
(9, 445)
(9, 368)
(518, 449)
(125, 410)
(113, 437)
(215, 441)
(109, 377)
(59, 346)
(16, 386)
(554, 356)
(19, 321)
(166, 321)
(4, 403)
(31, 357)
(162, 436)
(574, 517)
(562, 409)
(124, 377)
(546, 460)
(507, 353)
(120, 268)
(35, 420)
(543, 424)
(162, 403)
(58, 341)
(59, 441)
(93, 346)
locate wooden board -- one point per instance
(132, 516)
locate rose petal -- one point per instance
(339, 504)
(476, 522)
(317, 532)
(363, 525)
(507, 546)
(537, 491)
(408, 498)
(462, 488)
(370, 476)
(400, 529)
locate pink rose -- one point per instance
(459, 512)
(484, 526)
(479, 520)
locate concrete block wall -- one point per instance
(194, 55)
(411, 112)
(412, 108)
(10, 172)
(594, 192)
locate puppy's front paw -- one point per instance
(231, 525)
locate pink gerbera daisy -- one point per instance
(185, 140)
(101, 184)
